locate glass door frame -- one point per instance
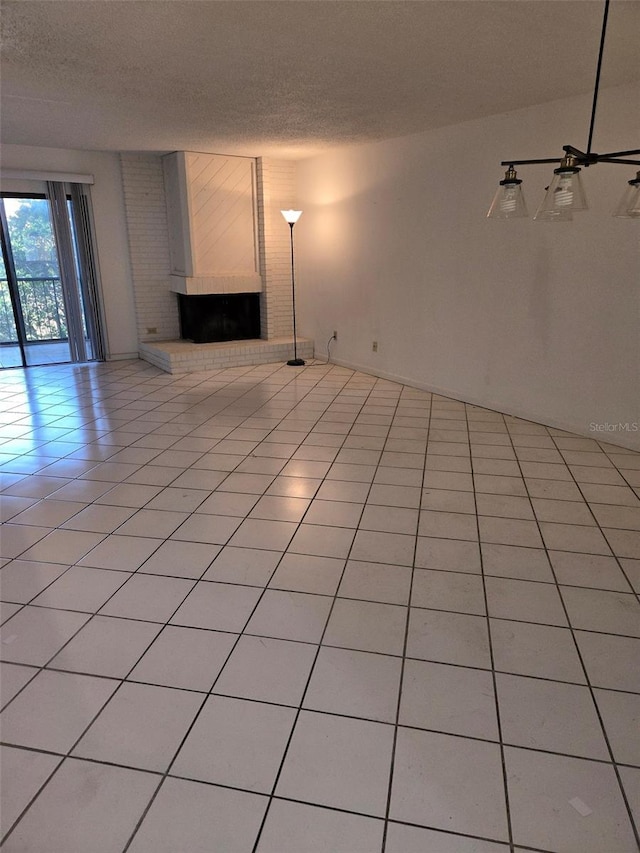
(70, 221)
(12, 283)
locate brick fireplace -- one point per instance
(155, 287)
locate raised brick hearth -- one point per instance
(186, 357)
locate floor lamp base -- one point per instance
(296, 362)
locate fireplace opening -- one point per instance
(219, 317)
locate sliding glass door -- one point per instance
(11, 354)
(48, 290)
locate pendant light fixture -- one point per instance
(508, 202)
(629, 207)
(565, 194)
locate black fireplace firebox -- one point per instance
(219, 317)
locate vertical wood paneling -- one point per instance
(222, 214)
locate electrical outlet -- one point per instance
(375, 346)
(335, 334)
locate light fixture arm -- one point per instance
(565, 192)
(604, 158)
(617, 154)
(582, 158)
(598, 70)
(587, 158)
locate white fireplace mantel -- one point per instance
(203, 285)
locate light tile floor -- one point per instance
(310, 611)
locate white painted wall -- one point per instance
(110, 227)
(535, 319)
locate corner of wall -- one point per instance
(276, 191)
(148, 236)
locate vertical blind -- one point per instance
(78, 270)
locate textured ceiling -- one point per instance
(291, 77)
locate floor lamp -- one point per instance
(292, 217)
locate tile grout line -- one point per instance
(96, 715)
(346, 648)
(387, 815)
(615, 556)
(272, 794)
(590, 687)
(503, 763)
(199, 712)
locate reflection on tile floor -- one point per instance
(276, 610)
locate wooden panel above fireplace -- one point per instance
(212, 216)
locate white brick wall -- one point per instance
(156, 305)
(276, 191)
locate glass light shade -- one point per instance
(565, 192)
(291, 216)
(629, 206)
(508, 202)
(552, 215)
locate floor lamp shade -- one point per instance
(291, 216)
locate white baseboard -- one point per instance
(630, 441)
